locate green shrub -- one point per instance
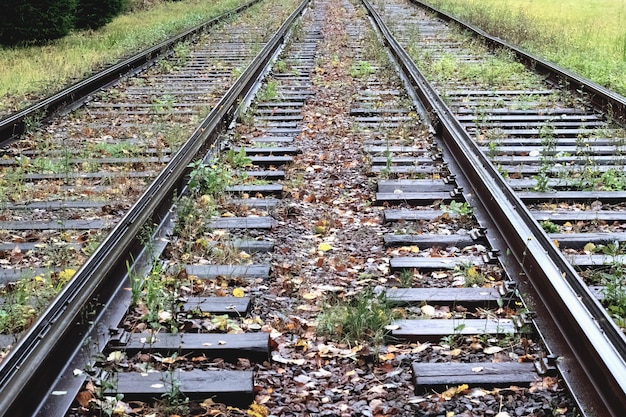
(92, 14)
(35, 21)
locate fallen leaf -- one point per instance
(322, 373)
(428, 310)
(455, 352)
(422, 347)
(378, 389)
(451, 392)
(589, 248)
(302, 379)
(84, 398)
(238, 292)
(324, 247)
(116, 356)
(490, 350)
(277, 358)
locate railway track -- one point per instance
(335, 192)
(67, 185)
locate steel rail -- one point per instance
(16, 124)
(42, 355)
(602, 99)
(591, 349)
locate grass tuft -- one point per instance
(360, 318)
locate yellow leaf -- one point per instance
(590, 247)
(257, 410)
(451, 392)
(238, 292)
(66, 274)
(324, 247)
(455, 352)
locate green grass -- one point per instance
(360, 318)
(33, 71)
(587, 37)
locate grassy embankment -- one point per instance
(26, 73)
(585, 36)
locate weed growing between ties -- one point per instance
(546, 158)
(614, 280)
(24, 300)
(460, 212)
(611, 278)
(468, 275)
(156, 297)
(361, 69)
(361, 318)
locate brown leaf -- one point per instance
(84, 398)
(182, 275)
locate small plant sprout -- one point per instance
(361, 69)
(549, 227)
(360, 318)
(405, 277)
(468, 275)
(463, 210)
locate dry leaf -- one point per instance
(84, 398)
(277, 358)
(589, 248)
(116, 356)
(428, 310)
(455, 352)
(302, 379)
(451, 392)
(421, 347)
(324, 247)
(490, 350)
